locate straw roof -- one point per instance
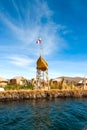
(42, 64)
(3, 79)
(82, 81)
(57, 79)
(18, 78)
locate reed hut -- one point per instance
(83, 83)
(3, 82)
(19, 80)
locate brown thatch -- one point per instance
(3, 82)
(42, 64)
(18, 80)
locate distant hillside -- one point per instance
(71, 79)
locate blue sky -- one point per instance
(62, 25)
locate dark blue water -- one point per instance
(59, 114)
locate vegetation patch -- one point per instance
(18, 87)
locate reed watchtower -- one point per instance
(42, 73)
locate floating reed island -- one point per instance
(12, 95)
(20, 89)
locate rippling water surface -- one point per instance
(59, 114)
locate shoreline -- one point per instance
(13, 95)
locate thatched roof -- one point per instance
(42, 64)
(18, 78)
(57, 79)
(82, 81)
(3, 79)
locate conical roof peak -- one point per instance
(42, 64)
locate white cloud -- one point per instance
(21, 61)
(64, 32)
(31, 27)
(34, 19)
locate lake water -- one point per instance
(57, 114)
